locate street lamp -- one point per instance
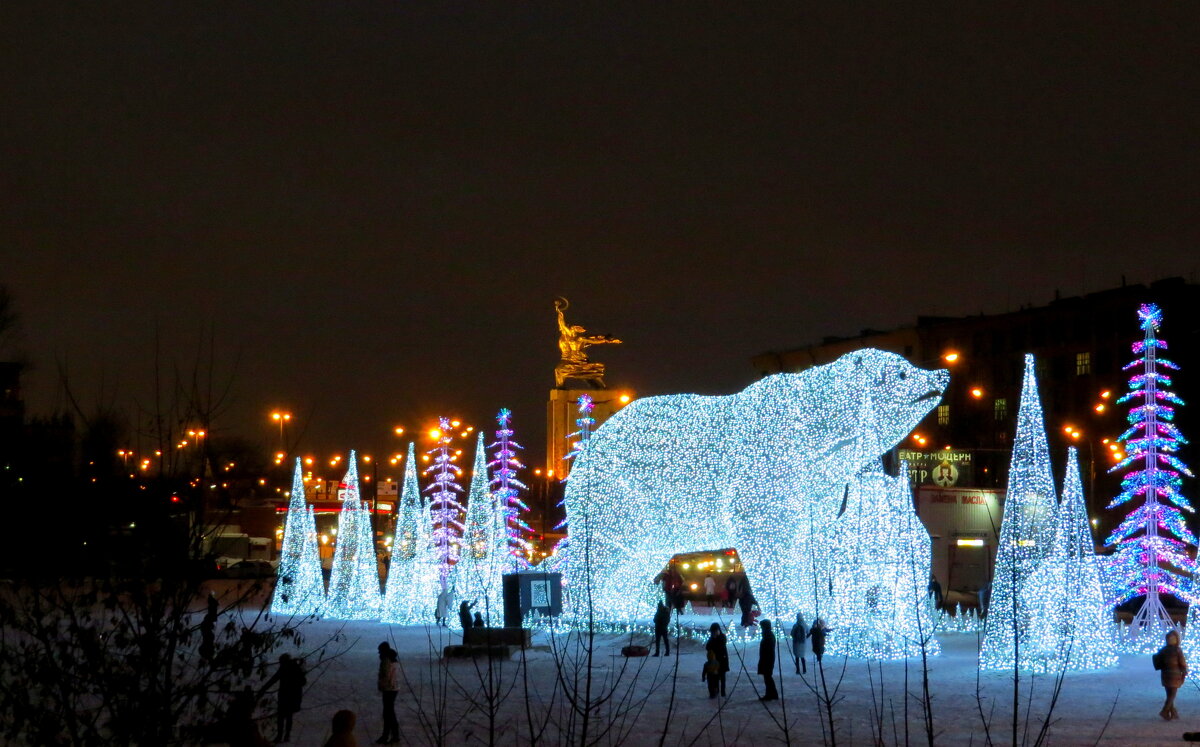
(282, 418)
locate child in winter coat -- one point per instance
(711, 673)
(1171, 662)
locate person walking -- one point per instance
(817, 636)
(441, 610)
(662, 621)
(731, 591)
(291, 680)
(343, 730)
(717, 650)
(478, 620)
(766, 661)
(208, 628)
(1171, 662)
(389, 686)
(799, 637)
(710, 593)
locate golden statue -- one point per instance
(571, 343)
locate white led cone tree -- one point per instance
(354, 581)
(1069, 616)
(483, 556)
(299, 585)
(880, 570)
(762, 471)
(1026, 531)
(1152, 543)
(413, 579)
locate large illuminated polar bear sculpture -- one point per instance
(763, 470)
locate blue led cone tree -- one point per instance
(560, 557)
(880, 571)
(299, 585)
(506, 487)
(484, 553)
(1026, 531)
(1151, 555)
(413, 579)
(445, 511)
(354, 581)
(1070, 617)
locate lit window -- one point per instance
(943, 414)
(1083, 363)
(1000, 407)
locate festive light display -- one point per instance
(412, 581)
(484, 556)
(507, 487)
(299, 585)
(1026, 531)
(878, 609)
(1152, 542)
(1069, 617)
(763, 470)
(354, 582)
(560, 557)
(444, 508)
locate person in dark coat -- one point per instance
(766, 661)
(817, 636)
(935, 590)
(1173, 665)
(208, 629)
(731, 591)
(478, 620)
(717, 649)
(746, 602)
(662, 620)
(243, 728)
(799, 636)
(343, 730)
(291, 680)
(389, 686)
(464, 614)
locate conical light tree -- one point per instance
(484, 553)
(445, 511)
(412, 582)
(1070, 618)
(1026, 531)
(299, 585)
(880, 570)
(1152, 543)
(507, 487)
(354, 582)
(560, 556)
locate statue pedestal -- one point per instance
(561, 412)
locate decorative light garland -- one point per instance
(1152, 543)
(1025, 538)
(444, 508)
(763, 470)
(413, 578)
(354, 581)
(299, 585)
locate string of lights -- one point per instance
(354, 581)
(299, 585)
(412, 581)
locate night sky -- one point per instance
(372, 206)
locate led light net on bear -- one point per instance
(299, 585)
(483, 556)
(1025, 535)
(1070, 620)
(413, 578)
(880, 570)
(354, 582)
(762, 471)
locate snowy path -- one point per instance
(432, 687)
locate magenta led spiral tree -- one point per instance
(444, 509)
(506, 487)
(1152, 542)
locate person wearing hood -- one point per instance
(766, 661)
(799, 637)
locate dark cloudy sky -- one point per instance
(373, 204)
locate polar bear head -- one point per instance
(892, 394)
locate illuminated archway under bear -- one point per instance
(763, 470)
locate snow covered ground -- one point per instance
(650, 695)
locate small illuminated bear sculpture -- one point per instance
(763, 470)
